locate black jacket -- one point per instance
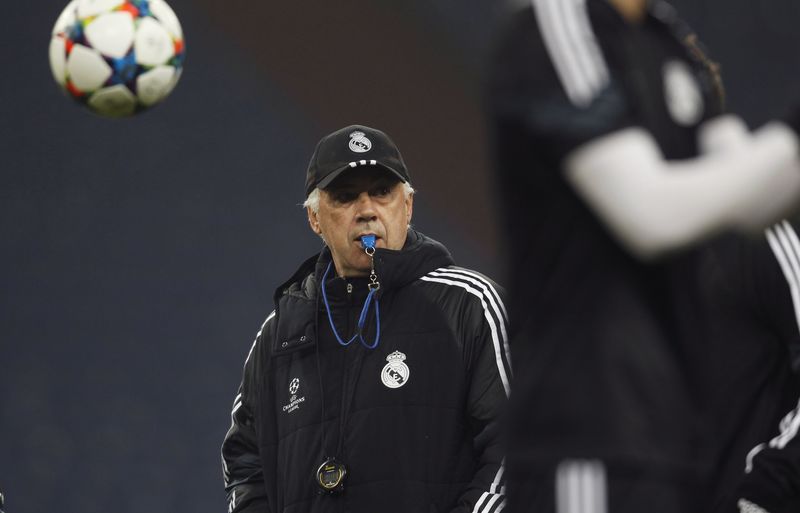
(414, 420)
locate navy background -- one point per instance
(138, 256)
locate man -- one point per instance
(597, 109)
(377, 382)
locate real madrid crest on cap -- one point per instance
(359, 142)
(395, 373)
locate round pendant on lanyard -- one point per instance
(330, 476)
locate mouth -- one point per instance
(378, 239)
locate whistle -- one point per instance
(368, 241)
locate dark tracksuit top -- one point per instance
(611, 347)
(669, 372)
(414, 420)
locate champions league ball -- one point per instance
(117, 57)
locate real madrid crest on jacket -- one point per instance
(409, 426)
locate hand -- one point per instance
(745, 506)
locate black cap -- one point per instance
(350, 147)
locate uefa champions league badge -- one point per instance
(359, 142)
(395, 373)
(294, 401)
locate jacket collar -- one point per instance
(395, 268)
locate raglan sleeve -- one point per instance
(772, 468)
(488, 390)
(241, 462)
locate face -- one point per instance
(361, 202)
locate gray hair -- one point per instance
(312, 201)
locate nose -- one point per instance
(365, 208)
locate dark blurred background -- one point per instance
(139, 256)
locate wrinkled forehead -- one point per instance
(363, 178)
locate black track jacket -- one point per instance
(414, 420)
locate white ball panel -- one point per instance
(153, 44)
(111, 33)
(86, 69)
(115, 101)
(154, 85)
(87, 8)
(66, 18)
(58, 59)
(167, 16)
(175, 78)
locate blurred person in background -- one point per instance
(617, 177)
(378, 381)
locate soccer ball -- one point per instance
(117, 57)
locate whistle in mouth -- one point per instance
(368, 241)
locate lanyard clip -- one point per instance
(368, 243)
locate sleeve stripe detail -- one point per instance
(496, 487)
(789, 426)
(232, 503)
(487, 502)
(237, 403)
(499, 355)
(488, 291)
(484, 281)
(494, 500)
(786, 247)
(270, 316)
(236, 406)
(752, 454)
(581, 487)
(573, 48)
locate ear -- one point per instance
(409, 207)
(313, 221)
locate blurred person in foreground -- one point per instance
(377, 383)
(618, 176)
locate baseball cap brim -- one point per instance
(333, 175)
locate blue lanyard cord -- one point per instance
(362, 319)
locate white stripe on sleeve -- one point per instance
(785, 246)
(490, 319)
(570, 41)
(490, 293)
